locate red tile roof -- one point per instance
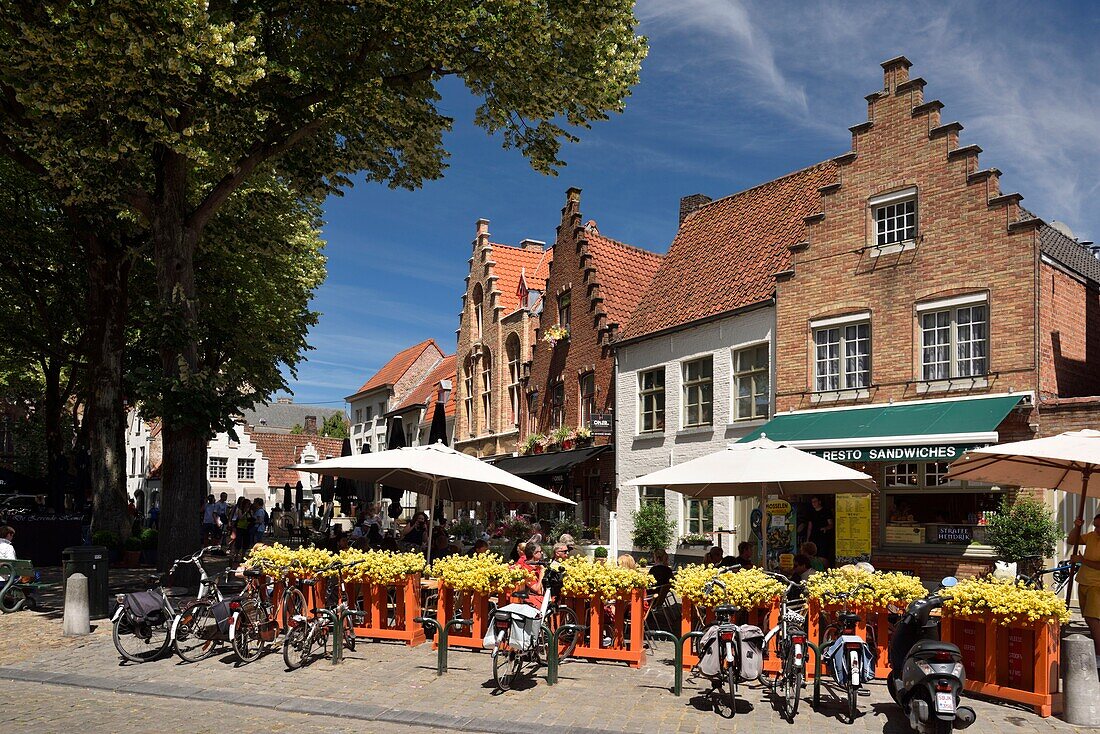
(623, 272)
(425, 392)
(284, 449)
(510, 262)
(726, 252)
(398, 365)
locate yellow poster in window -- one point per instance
(853, 528)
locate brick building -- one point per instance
(593, 285)
(495, 334)
(925, 312)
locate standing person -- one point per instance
(260, 522)
(819, 529)
(210, 521)
(1088, 577)
(240, 520)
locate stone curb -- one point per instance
(302, 705)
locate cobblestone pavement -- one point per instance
(44, 708)
(392, 684)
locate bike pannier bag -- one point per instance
(145, 606)
(222, 615)
(710, 653)
(752, 651)
(836, 659)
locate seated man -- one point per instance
(802, 569)
(743, 559)
(713, 557)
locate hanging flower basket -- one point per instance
(554, 334)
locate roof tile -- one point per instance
(424, 393)
(283, 449)
(510, 262)
(398, 365)
(624, 273)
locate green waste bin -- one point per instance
(90, 560)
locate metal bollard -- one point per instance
(443, 631)
(8, 570)
(552, 649)
(1082, 689)
(76, 606)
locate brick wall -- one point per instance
(1069, 334)
(969, 242)
(416, 373)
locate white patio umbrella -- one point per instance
(1064, 462)
(759, 467)
(436, 470)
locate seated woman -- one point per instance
(660, 571)
(532, 554)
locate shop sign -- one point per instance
(954, 533)
(853, 528)
(942, 452)
(600, 423)
(778, 507)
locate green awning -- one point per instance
(929, 430)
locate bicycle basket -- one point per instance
(252, 610)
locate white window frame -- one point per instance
(696, 522)
(846, 378)
(651, 495)
(585, 409)
(513, 382)
(487, 390)
(656, 393)
(951, 308)
(246, 470)
(468, 394)
(217, 467)
(565, 308)
(690, 385)
(898, 224)
(752, 375)
(557, 407)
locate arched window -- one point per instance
(513, 379)
(486, 390)
(478, 298)
(468, 393)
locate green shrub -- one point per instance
(105, 538)
(567, 525)
(652, 528)
(1023, 531)
(149, 538)
(133, 543)
(600, 552)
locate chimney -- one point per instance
(894, 72)
(284, 401)
(537, 245)
(311, 424)
(688, 204)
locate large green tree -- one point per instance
(161, 109)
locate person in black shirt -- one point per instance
(661, 573)
(819, 529)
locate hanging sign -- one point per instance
(600, 423)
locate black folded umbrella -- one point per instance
(438, 431)
(299, 496)
(328, 489)
(287, 497)
(345, 488)
(395, 440)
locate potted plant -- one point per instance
(567, 526)
(131, 552)
(653, 530)
(589, 532)
(110, 541)
(583, 437)
(149, 539)
(1023, 532)
(530, 444)
(540, 443)
(563, 437)
(554, 334)
(600, 554)
(692, 540)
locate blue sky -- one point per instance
(731, 95)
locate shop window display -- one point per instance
(920, 506)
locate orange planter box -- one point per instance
(877, 617)
(390, 610)
(627, 645)
(473, 606)
(763, 617)
(1018, 662)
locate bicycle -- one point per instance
(304, 634)
(517, 642)
(196, 629)
(253, 624)
(789, 634)
(142, 622)
(1059, 576)
(848, 669)
(726, 635)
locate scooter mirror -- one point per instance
(948, 582)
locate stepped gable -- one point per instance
(397, 366)
(1069, 253)
(727, 252)
(282, 449)
(623, 272)
(425, 392)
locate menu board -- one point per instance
(853, 528)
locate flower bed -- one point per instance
(610, 601)
(467, 584)
(1009, 636)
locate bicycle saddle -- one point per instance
(522, 595)
(253, 572)
(308, 582)
(848, 619)
(726, 610)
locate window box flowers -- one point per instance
(694, 540)
(554, 334)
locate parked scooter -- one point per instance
(927, 675)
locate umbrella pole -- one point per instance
(764, 528)
(1080, 516)
(431, 517)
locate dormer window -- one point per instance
(895, 217)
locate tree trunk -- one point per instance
(55, 444)
(186, 431)
(108, 271)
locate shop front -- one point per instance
(919, 521)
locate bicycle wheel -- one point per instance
(140, 642)
(503, 668)
(195, 632)
(851, 704)
(793, 693)
(294, 605)
(297, 645)
(246, 641)
(567, 640)
(725, 692)
(348, 634)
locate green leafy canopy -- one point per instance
(1021, 530)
